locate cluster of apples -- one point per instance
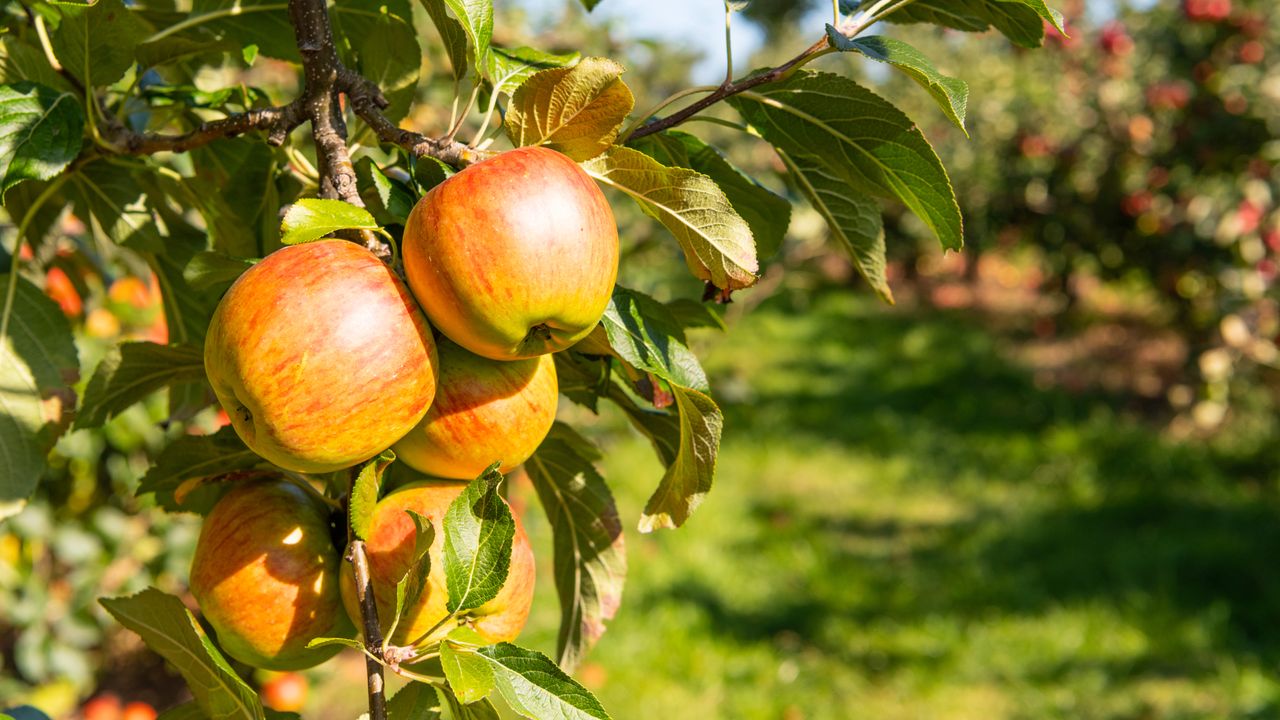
(323, 358)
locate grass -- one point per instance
(905, 526)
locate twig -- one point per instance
(730, 89)
(368, 102)
(876, 12)
(372, 632)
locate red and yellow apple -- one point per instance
(391, 548)
(485, 411)
(515, 256)
(266, 574)
(321, 357)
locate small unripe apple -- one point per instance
(321, 357)
(265, 574)
(515, 256)
(485, 411)
(390, 547)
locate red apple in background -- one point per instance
(265, 574)
(390, 547)
(285, 692)
(138, 711)
(515, 256)
(103, 707)
(320, 357)
(484, 411)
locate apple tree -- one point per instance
(385, 318)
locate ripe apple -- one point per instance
(265, 574)
(515, 256)
(321, 357)
(138, 711)
(390, 548)
(484, 411)
(285, 692)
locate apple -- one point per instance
(103, 707)
(265, 574)
(390, 548)
(321, 357)
(515, 256)
(285, 692)
(138, 711)
(484, 411)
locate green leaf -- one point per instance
(312, 218)
(767, 214)
(328, 641)
(185, 711)
(694, 314)
(476, 18)
(469, 675)
(234, 190)
(645, 335)
(452, 36)
(575, 110)
(241, 23)
(377, 40)
(168, 628)
(583, 380)
(176, 471)
(131, 371)
(389, 201)
(1022, 21)
(717, 242)
(409, 588)
(176, 47)
(38, 363)
(210, 269)
(689, 476)
(364, 494)
(112, 194)
(40, 133)
(415, 701)
(861, 140)
(590, 562)
(508, 68)
(95, 42)
(853, 218)
(429, 172)
(457, 710)
(591, 4)
(23, 62)
(951, 93)
(478, 533)
(535, 687)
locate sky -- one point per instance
(700, 23)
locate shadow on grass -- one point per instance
(1071, 504)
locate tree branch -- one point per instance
(372, 631)
(730, 89)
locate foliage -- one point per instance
(101, 113)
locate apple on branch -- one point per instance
(321, 357)
(485, 411)
(515, 256)
(265, 574)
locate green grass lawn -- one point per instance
(904, 526)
